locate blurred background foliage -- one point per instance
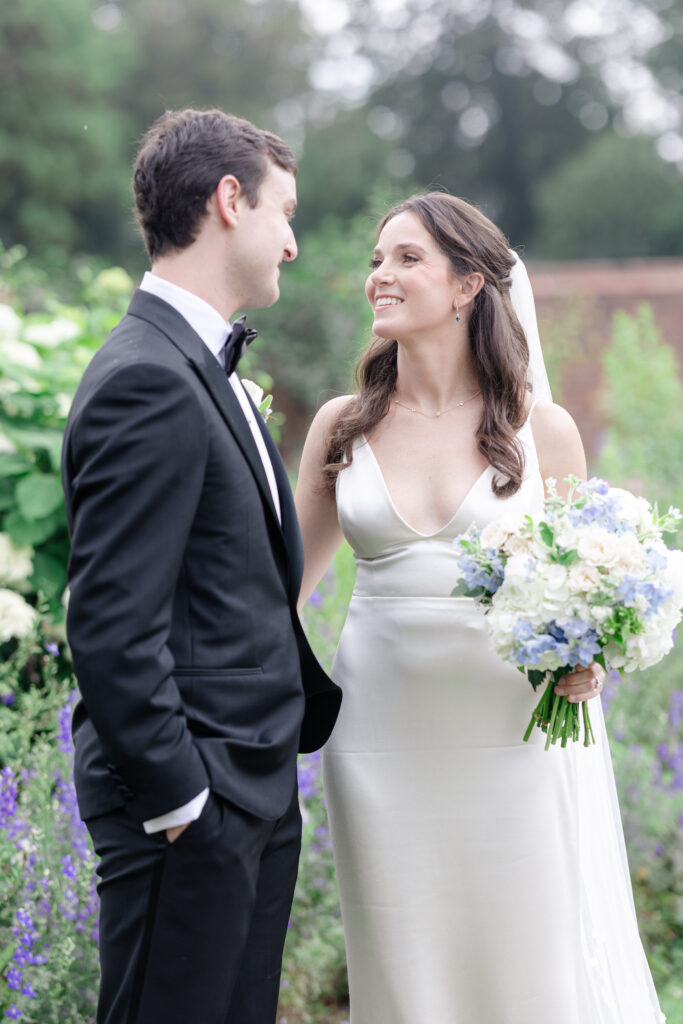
(562, 120)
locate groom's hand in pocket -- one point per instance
(173, 833)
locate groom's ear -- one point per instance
(227, 198)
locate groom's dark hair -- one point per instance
(182, 158)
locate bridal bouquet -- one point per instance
(589, 580)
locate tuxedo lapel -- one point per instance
(290, 523)
(163, 316)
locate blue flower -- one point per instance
(14, 978)
(585, 650)
(14, 1013)
(575, 628)
(522, 630)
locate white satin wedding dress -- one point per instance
(482, 880)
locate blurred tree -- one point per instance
(82, 81)
(60, 132)
(311, 338)
(615, 198)
(487, 99)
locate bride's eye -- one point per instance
(374, 262)
(409, 258)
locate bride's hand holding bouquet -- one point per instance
(588, 581)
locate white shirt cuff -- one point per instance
(181, 816)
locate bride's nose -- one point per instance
(382, 275)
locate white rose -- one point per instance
(15, 563)
(634, 510)
(583, 578)
(54, 333)
(253, 390)
(631, 557)
(10, 323)
(16, 616)
(497, 533)
(599, 548)
(519, 545)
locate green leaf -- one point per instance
(535, 677)
(31, 532)
(462, 590)
(49, 575)
(38, 495)
(37, 440)
(14, 465)
(546, 534)
(568, 558)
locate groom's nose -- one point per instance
(291, 248)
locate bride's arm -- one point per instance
(561, 454)
(315, 503)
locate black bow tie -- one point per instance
(236, 345)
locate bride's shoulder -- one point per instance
(324, 421)
(328, 414)
(547, 417)
(557, 440)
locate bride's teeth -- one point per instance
(388, 302)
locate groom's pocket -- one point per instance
(218, 701)
(204, 828)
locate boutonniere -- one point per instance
(261, 402)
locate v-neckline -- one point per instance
(419, 533)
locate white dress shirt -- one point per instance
(213, 330)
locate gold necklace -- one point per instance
(441, 412)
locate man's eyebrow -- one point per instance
(403, 247)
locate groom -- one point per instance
(197, 683)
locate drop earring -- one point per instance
(457, 312)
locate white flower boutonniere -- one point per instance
(256, 394)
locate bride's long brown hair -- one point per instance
(473, 244)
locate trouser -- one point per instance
(192, 932)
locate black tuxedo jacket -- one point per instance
(191, 661)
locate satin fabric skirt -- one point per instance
(482, 879)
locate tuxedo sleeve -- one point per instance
(136, 457)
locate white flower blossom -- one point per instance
(53, 333)
(253, 390)
(10, 324)
(16, 564)
(17, 617)
(20, 354)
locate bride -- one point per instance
(482, 879)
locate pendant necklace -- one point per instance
(440, 412)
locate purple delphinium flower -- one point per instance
(8, 797)
(14, 978)
(308, 774)
(316, 599)
(14, 1013)
(64, 740)
(675, 709)
(7, 699)
(52, 648)
(611, 684)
